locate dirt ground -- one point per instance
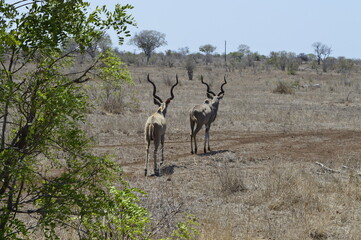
(302, 146)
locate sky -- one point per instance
(263, 25)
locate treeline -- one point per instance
(149, 40)
(235, 61)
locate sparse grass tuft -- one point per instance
(114, 104)
(168, 80)
(318, 235)
(283, 88)
(214, 229)
(230, 179)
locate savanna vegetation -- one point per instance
(51, 182)
(285, 145)
(284, 162)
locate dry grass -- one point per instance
(261, 180)
(283, 88)
(228, 178)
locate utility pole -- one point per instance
(225, 52)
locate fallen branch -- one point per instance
(338, 171)
(327, 168)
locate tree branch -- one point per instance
(81, 78)
(27, 60)
(25, 4)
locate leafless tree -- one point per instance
(322, 51)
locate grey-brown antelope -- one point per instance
(155, 128)
(205, 114)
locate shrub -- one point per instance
(230, 180)
(292, 66)
(190, 66)
(283, 88)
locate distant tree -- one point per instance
(344, 65)
(292, 63)
(256, 56)
(99, 45)
(169, 59)
(208, 49)
(234, 55)
(322, 51)
(244, 50)
(284, 60)
(148, 41)
(311, 57)
(278, 59)
(303, 57)
(184, 51)
(104, 43)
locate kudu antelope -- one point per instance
(155, 127)
(204, 114)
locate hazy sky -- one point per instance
(263, 25)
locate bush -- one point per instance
(190, 66)
(283, 88)
(292, 67)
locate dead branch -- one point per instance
(327, 168)
(338, 171)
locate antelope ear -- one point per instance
(157, 102)
(209, 96)
(220, 97)
(162, 108)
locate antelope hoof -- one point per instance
(145, 172)
(157, 173)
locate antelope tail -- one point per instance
(193, 118)
(150, 131)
